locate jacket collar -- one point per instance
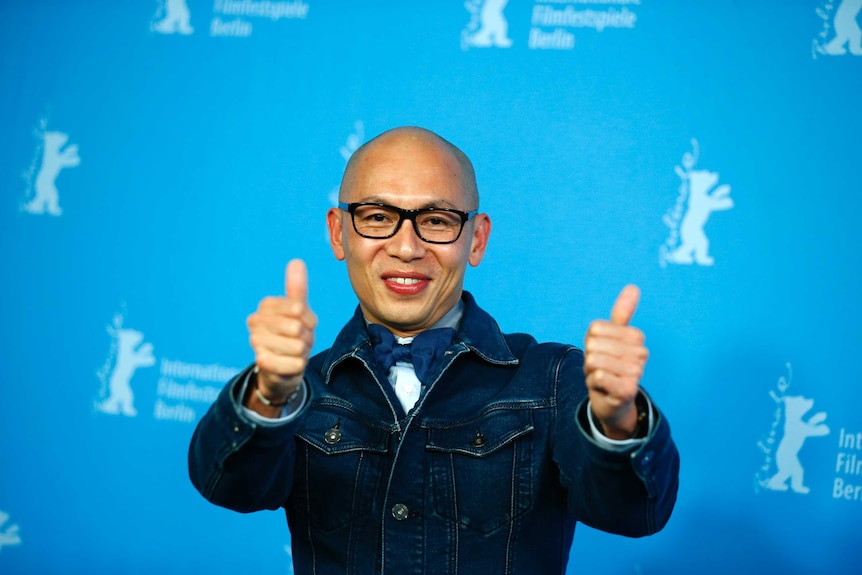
(478, 332)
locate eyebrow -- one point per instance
(440, 203)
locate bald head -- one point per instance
(411, 136)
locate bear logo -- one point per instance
(698, 197)
(848, 34)
(796, 431)
(54, 159)
(488, 27)
(702, 201)
(130, 354)
(176, 18)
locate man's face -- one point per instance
(402, 282)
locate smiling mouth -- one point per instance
(406, 285)
(405, 281)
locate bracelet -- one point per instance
(642, 426)
(268, 402)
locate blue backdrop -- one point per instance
(163, 160)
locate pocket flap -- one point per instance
(482, 436)
(332, 435)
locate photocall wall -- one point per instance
(163, 160)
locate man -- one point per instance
(474, 456)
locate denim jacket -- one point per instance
(487, 474)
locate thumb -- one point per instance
(296, 280)
(625, 306)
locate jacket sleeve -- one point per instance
(238, 464)
(630, 492)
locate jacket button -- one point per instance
(479, 440)
(400, 512)
(332, 436)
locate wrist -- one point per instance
(634, 424)
(267, 398)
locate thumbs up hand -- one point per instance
(281, 333)
(614, 360)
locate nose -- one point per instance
(406, 244)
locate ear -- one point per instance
(479, 238)
(336, 231)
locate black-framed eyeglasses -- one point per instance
(432, 225)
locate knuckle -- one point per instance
(294, 365)
(294, 308)
(263, 360)
(296, 348)
(267, 303)
(252, 320)
(292, 328)
(613, 401)
(254, 340)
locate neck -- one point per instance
(451, 318)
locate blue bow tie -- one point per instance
(423, 352)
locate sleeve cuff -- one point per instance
(289, 413)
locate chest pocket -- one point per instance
(481, 471)
(338, 469)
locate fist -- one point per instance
(614, 360)
(281, 333)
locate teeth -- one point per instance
(406, 281)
